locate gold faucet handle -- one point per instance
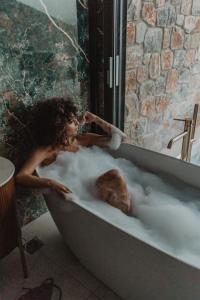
(187, 121)
(176, 119)
(183, 120)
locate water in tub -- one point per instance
(168, 215)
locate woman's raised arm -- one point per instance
(111, 131)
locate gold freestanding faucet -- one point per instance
(187, 135)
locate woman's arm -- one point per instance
(107, 127)
(25, 176)
(90, 139)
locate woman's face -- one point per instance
(72, 126)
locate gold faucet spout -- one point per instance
(176, 138)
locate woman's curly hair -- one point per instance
(48, 121)
(41, 124)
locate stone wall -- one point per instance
(162, 68)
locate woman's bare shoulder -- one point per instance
(91, 139)
(42, 152)
(36, 157)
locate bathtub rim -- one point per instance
(111, 223)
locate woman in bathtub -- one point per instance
(53, 128)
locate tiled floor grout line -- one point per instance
(92, 294)
(80, 282)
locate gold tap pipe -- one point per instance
(194, 119)
(186, 140)
(193, 127)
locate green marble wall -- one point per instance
(37, 61)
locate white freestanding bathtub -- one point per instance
(131, 267)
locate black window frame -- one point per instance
(107, 81)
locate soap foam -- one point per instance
(168, 216)
(115, 141)
(116, 138)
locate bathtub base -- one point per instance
(130, 267)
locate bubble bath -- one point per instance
(168, 216)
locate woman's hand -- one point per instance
(89, 117)
(107, 127)
(59, 188)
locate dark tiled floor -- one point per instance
(55, 260)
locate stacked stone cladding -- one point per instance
(162, 69)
